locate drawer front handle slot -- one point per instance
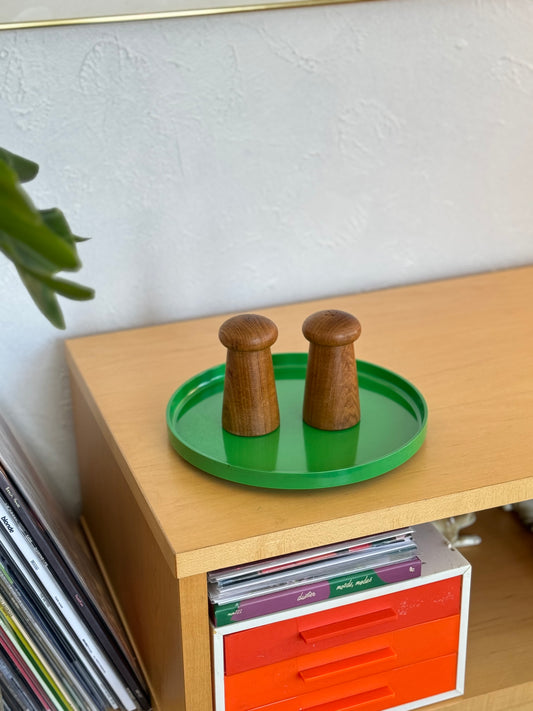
(356, 702)
(352, 624)
(348, 664)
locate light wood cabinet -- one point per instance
(158, 524)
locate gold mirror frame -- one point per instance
(19, 14)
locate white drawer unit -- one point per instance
(400, 646)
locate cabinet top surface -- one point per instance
(466, 343)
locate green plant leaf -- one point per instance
(10, 187)
(63, 287)
(40, 243)
(25, 169)
(44, 298)
(22, 221)
(23, 256)
(55, 220)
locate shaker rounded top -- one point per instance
(331, 328)
(248, 332)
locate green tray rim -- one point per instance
(396, 387)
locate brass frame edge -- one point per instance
(275, 5)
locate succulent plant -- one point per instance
(38, 242)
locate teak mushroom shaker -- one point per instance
(331, 396)
(250, 403)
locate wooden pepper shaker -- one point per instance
(250, 402)
(331, 397)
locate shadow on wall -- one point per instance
(37, 407)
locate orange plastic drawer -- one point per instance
(341, 664)
(376, 692)
(266, 644)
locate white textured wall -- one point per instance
(228, 163)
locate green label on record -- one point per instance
(224, 614)
(346, 584)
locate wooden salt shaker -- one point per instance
(331, 398)
(250, 403)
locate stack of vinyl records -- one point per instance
(248, 591)
(62, 646)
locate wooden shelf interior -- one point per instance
(499, 662)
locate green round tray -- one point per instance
(297, 456)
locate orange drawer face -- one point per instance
(344, 663)
(376, 692)
(302, 635)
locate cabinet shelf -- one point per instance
(159, 524)
(500, 650)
